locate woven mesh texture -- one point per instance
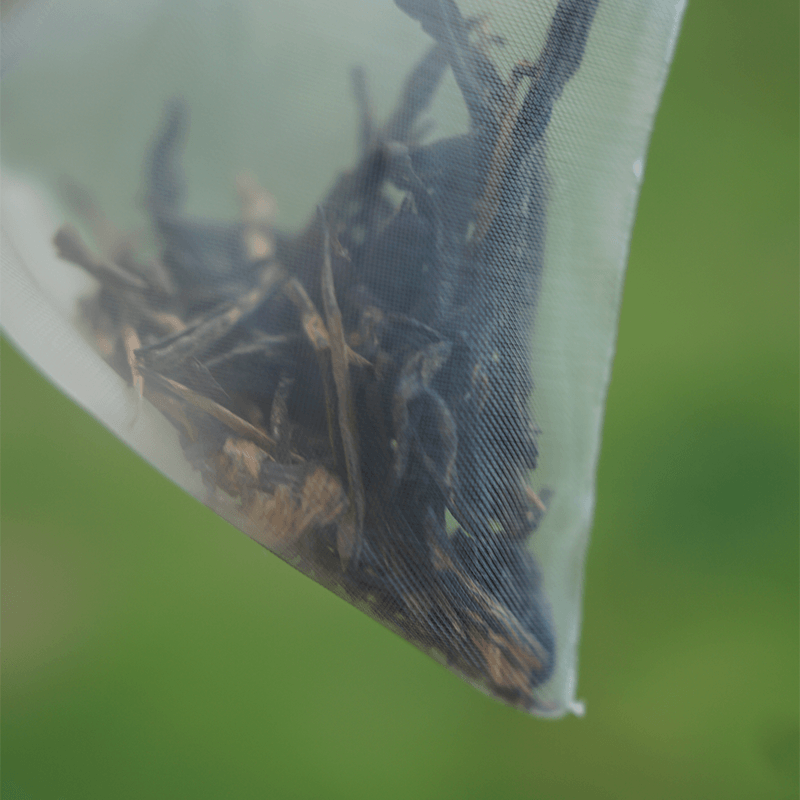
(389, 367)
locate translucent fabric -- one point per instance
(349, 273)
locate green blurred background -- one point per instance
(151, 651)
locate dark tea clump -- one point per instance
(358, 395)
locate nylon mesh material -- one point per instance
(382, 350)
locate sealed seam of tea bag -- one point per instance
(400, 391)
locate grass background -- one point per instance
(150, 651)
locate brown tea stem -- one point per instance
(346, 409)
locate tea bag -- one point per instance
(365, 306)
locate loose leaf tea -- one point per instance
(359, 396)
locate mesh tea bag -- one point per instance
(348, 272)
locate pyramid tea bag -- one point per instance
(366, 307)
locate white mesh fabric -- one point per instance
(389, 364)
